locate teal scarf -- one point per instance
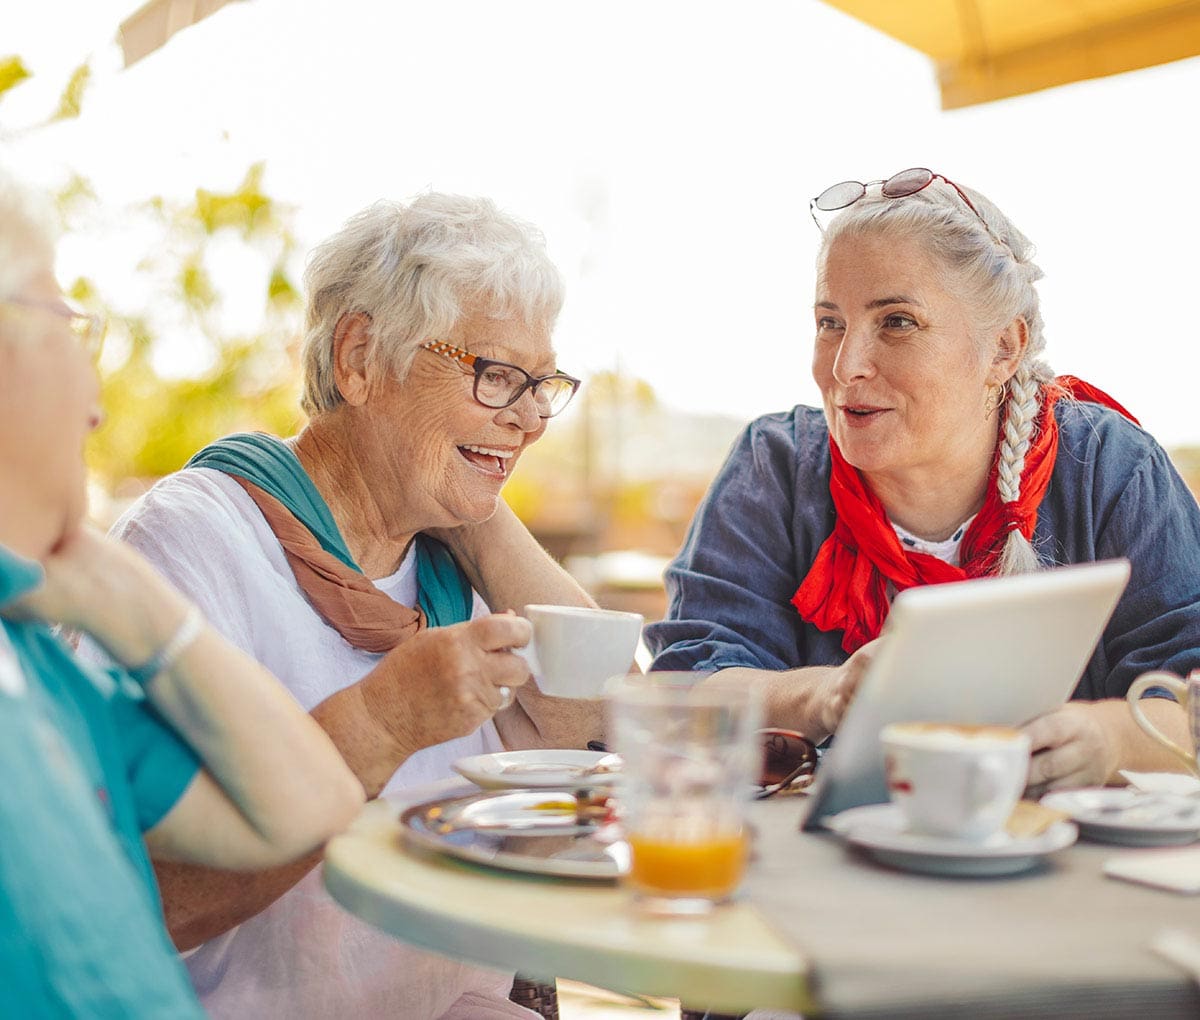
(444, 593)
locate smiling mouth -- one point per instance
(862, 412)
(488, 459)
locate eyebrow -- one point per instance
(895, 299)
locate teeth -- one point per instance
(489, 452)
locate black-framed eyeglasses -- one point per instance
(87, 328)
(899, 185)
(498, 384)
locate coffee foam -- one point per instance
(951, 735)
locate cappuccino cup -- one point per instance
(953, 780)
(1187, 693)
(575, 650)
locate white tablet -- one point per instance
(994, 650)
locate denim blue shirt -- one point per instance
(1113, 493)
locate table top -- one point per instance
(818, 928)
(551, 927)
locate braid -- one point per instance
(1022, 408)
(1024, 403)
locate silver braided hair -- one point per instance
(994, 265)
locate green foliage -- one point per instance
(156, 420)
(246, 209)
(71, 101)
(12, 72)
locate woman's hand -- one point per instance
(104, 588)
(840, 686)
(445, 682)
(1073, 746)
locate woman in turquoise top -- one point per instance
(180, 748)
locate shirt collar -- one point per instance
(18, 576)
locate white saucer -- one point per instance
(880, 830)
(1130, 817)
(534, 770)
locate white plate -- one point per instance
(880, 830)
(1130, 817)
(538, 770)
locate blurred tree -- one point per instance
(157, 417)
(237, 375)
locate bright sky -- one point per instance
(668, 149)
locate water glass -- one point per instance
(691, 757)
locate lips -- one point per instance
(862, 412)
(491, 460)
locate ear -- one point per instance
(1009, 350)
(352, 342)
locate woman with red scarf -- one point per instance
(946, 448)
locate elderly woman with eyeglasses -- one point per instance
(945, 449)
(182, 746)
(358, 561)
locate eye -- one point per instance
(898, 320)
(827, 323)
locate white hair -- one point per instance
(416, 270)
(993, 263)
(26, 237)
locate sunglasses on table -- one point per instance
(788, 763)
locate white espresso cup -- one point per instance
(574, 650)
(953, 780)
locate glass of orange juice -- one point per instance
(690, 760)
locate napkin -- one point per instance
(1162, 782)
(1181, 948)
(1174, 870)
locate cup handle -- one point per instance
(1179, 690)
(529, 654)
(987, 781)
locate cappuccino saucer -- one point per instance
(1130, 817)
(880, 830)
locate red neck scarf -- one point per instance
(846, 587)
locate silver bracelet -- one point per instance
(176, 644)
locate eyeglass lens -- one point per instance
(499, 385)
(901, 185)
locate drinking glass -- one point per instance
(691, 757)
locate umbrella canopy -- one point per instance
(992, 49)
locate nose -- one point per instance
(854, 360)
(523, 413)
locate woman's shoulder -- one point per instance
(800, 434)
(196, 507)
(1091, 433)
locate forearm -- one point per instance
(1131, 747)
(508, 567)
(536, 720)
(201, 903)
(273, 762)
(793, 699)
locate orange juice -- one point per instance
(710, 867)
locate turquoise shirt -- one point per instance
(85, 767)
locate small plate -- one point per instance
(1130, 817)
(880, 830)
(519, 830)
(543, 770)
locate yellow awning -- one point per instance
(992, 49)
